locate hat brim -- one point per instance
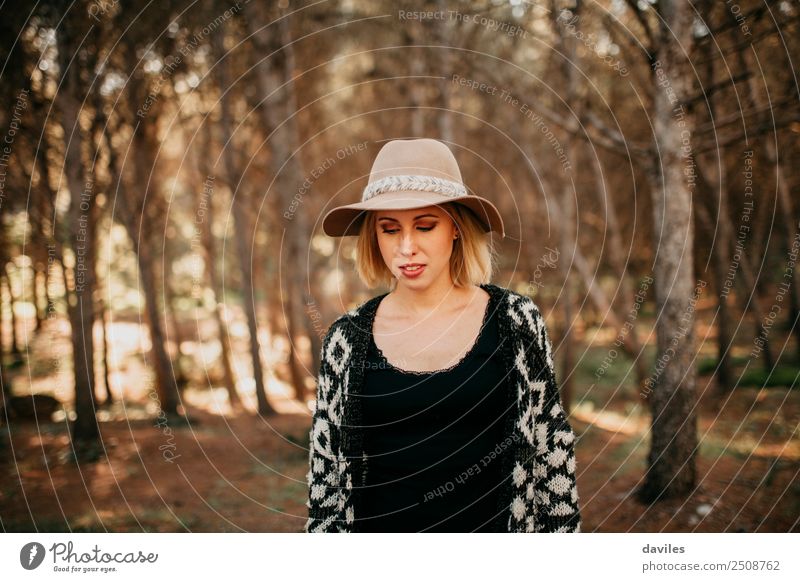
(346, 220)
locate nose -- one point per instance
(407, 244)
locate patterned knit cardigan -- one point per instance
(539, 494)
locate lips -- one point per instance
(412, 269)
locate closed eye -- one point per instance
(421, 228)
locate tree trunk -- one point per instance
(2, 317)
(569, 64)
(166, 386)
(12, 300)
(671, 462)
(748, 62)
(207, 240)
(749, 290)
(82, 220)
(720, 267)
(37, 296)
(417, 89)
(275, 77)
(749, 285)
(49, 301)
(568, 211)
(244, 230)
(106, 361)
(721, 259)
(5, 386)
(568, 244)
(219, 315)
(716, 178)
(444, 116)
(616, 258)
(137, 209)
(301, 234)
(177, 337)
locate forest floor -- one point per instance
(240, 472)
(244, 473)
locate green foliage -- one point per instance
(706, 366)
(780, 375)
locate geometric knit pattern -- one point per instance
(539, 493)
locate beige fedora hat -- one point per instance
(411, 173)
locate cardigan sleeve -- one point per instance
(325, 498)
(555, 490)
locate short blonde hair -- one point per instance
(472, 261)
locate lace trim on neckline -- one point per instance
(470, 351)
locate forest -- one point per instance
(165, 284)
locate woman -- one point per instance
(437, 406)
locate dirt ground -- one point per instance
(243, 473)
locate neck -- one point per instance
(426, 300)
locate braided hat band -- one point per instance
(414, 182)
(408, 174)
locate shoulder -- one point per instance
(520, 311)
(347, 325)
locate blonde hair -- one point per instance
(471, 262)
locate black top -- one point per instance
(433, 441)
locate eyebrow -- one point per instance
(415, 218)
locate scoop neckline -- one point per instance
(461, 360)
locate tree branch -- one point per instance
(640, 17)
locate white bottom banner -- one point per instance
(422, 557)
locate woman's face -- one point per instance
(416, 244)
